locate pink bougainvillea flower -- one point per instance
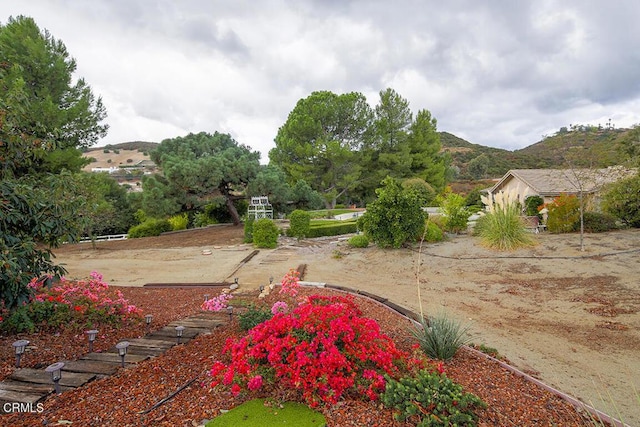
(235, 389)
(255, 383)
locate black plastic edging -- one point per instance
(414, 318)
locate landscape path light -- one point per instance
(261, 288)
(206, 297)
(91, 335)
(230, 311)
(122, 350)
(55, 371)
(147, 319)
(19, 347)
(179, 332)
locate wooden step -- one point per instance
(91, 366)
(113, 357)
(39, 376)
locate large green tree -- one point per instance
(320, 140)
(403, 147)
(50, 110)
(427, 160)
(41, 110)
(388, 153)
(200, 167)
(271, 181)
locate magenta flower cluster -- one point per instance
(85, 297)
(324, 349)
(217, 303)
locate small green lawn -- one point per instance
(255, 413)
(324, 213)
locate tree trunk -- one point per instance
(232, 210)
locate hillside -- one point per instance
(584, 146)
(119, 155)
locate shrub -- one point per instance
(106, 150)
(622, 200)
(455, 212)
(359, 241)
(299, 224)
(179, 222)
(395, 217)
(532, 206)
(323, 348)
(265, 233)
(564, 213)
(440, 337)
(201, 219)
(74, 304)
(596, 222)
(150, 227)
(248, 229)
(431, 399)
(253, 317)
(433, 233)
(333, 229)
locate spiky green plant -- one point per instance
(440, 337)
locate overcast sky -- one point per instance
(497, 73)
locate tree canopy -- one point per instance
(42, 108)
(344, 149)
(44, 118)
(319, 140)
(199, 167)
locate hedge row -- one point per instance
(333, 229)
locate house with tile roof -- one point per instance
(550, 183)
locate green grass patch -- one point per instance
(324, 213)
(255, 413)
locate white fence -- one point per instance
(104, 238)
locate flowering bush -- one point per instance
(217, 303)
(323, 348)
(69, 302)
(564, 214)
(279, 307)
(290, 283)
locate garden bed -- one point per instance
(127, 397)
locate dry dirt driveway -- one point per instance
(568, 317)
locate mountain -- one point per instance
(582, 146)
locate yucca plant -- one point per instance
(440, 337)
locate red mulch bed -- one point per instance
(120, 399)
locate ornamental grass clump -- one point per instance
(440, 337)
(324, 349)
(502, 227)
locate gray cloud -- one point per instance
(498, 73)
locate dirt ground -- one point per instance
(568, 317)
